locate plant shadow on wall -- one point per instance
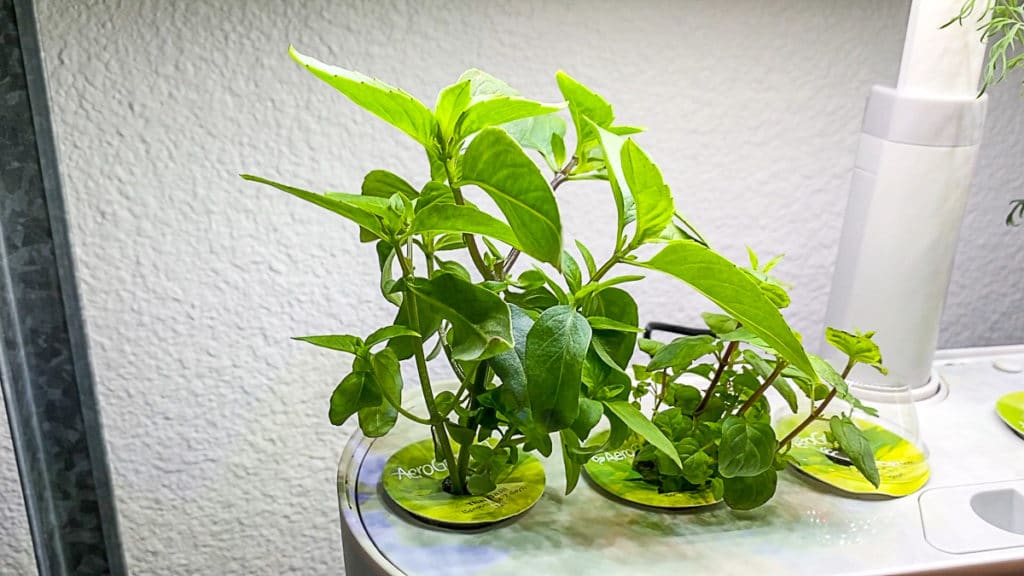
(546, 352)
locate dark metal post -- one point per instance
(44, 367)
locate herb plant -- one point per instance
(546, 349)
(1001, 24)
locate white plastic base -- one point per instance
(974, 518)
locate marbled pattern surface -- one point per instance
(192, 280)
(44, 392)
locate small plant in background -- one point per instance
(1001, 23)
(546, 350)
(709, 401)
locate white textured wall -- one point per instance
(192, 281)
(16, 556)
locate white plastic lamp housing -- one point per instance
(907, 198)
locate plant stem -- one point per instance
(560, 177)
(469, 239)
(764, 387)
(718, 376)
(661, 395)
(817, 411)
(479, 378)
(437, 423)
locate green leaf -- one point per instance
(698, 467)
(571, 272)
(387, 333)
(772, 289)
(572, 468)
(653, 199)
(747, 448)
(787, 393)
(499, 110)
(836, 380)
(543, 134)
(749, 492)
(495, 163)
(856, 446)
(444, 402)
(341, 342)
(617, 305)
(858, 346)
(390, 104)
(680, 353)
(588, 417)
(451, 103)
(429, 321)
(637, 422)
(584, 104)
(434, 193)
(684, 397)
(480, 484)
(611, 146)
(719, 323)
(483, 85)
(508, 365)
(601, 286)
(376, 421)
(480, 319)
(384, 184)
(460, 434)
(604, 323)
(462, 219)
(356, 391)
(358, 209)
(588, 258)
(555, 349)
(732, 290)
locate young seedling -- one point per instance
(544, 350)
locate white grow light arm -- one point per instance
(910, 185)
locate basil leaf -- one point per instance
(341, 342)
(859, 347)
(499, 110)
(637, 422)
(855, 445)
(359, 209)
(588, 417)
(387, 102)
(376, 421)
(387, 333)
(651, 196)
(451, 103)
(732, 290)
(495, 163)
(584, 105)
(747, 448)
(462, 219)
(680, 353)
(749, 492)
(355, 392)
(480, 319)
(555, 348)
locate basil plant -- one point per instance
(542, 352)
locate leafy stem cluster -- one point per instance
(1001, 24)
(542, 352)
(709, 395)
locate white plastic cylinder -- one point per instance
(910, 186)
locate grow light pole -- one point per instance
(910, 184)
